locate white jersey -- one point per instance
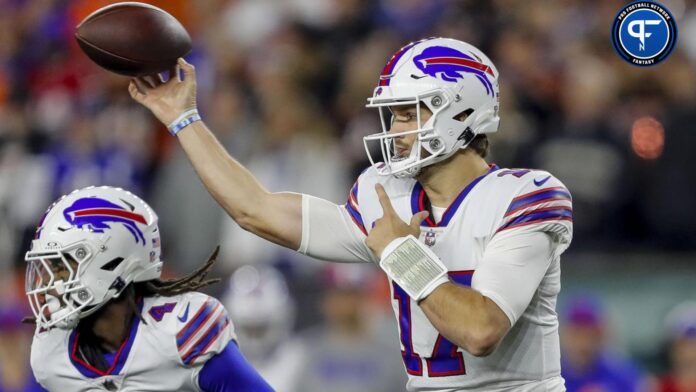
(496, 204)
(166, 353)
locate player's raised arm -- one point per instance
(276, 217)
(284, 218)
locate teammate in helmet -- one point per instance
(472, 251)
(264, 313)
(104, 318)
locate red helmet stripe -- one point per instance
(385, 76)
(112, 212)
(460, 61)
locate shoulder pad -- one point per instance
(198, 322)
(538, 200)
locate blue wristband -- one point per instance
(186, 119)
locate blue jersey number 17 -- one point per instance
(445, 358)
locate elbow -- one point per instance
(481, 348)
(483, 342)
(245, 221)
(247, 216)
(248, 221)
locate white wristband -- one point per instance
(188, 117)
(413, 266)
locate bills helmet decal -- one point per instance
(448, 64)
(96, 214)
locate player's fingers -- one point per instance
(135, 94)
(133, 91)
(142, 85)
(136, 89)
(189, 69)
(384, 200)
(417, 219)
(174, 74)
(150, 80)
(159, 79)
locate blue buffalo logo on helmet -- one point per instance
(448, 64)
(96, 214)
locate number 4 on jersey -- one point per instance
(445, 359)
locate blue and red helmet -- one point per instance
(447, 76)
(88, 247)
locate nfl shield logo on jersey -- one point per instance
(429, 238)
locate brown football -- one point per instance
(133, 39)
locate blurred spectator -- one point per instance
(681, 333)
(297, 153)
(263, 312)
(587, 364)
(15, 341)
(349, 352)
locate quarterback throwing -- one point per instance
(472, 250)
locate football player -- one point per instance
(264, 313)
(472, 250)
(105, 321)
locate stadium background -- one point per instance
(283, 85)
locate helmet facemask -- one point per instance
(429, 147)
(56, 295)
(89, 246)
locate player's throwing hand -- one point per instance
(167, 100)
(390, 226)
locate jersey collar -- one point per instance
(420, 202)
(115, 361)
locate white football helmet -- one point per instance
(262, 309)
(450, 78)
(88, 247)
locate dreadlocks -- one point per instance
(191, 282)
(89, 345)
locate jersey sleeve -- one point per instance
(230, 371)
(204, 329)
(513, 265)
(542, 203)
(334, 232)
(353, 208)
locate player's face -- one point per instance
(404, 118)
(59, 270)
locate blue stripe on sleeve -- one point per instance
(206, 340)
(357, 218)
(539, 216)
(229, 371)
(188, 330)
(550, 194)
(354, 190)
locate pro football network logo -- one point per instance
(644, 33)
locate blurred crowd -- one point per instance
(283, 85)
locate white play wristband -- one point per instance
(186, 118)
(413, 266)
